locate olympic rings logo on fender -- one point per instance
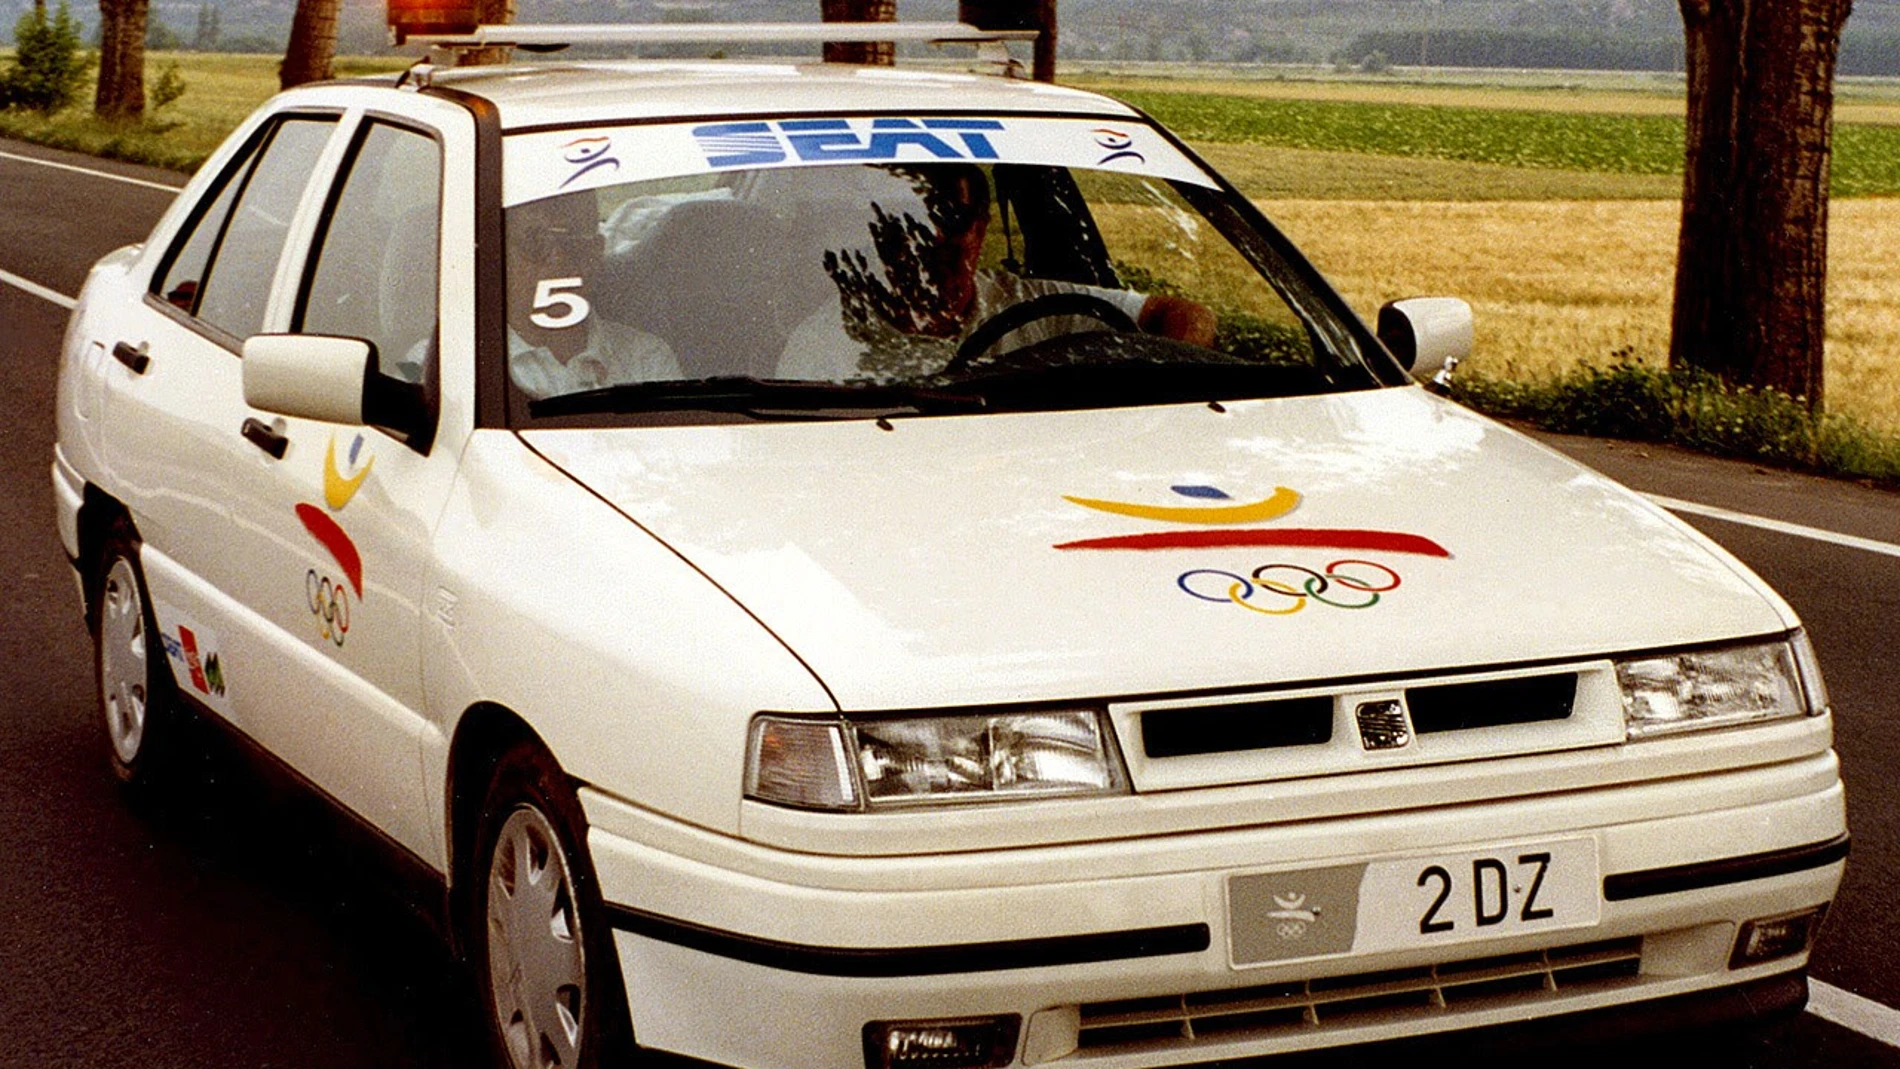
(1271, 581)
(329, 602)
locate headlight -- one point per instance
(1674, 692)
(896, 761)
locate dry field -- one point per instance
(1557, 283)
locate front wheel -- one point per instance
(543, 955)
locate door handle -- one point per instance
(135, 357)
(265, 437)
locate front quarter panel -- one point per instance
(638, 673)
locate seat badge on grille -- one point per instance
(1383, 726)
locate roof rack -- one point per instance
(992, 45)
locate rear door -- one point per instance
(176, 430)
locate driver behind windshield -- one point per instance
(906, 311)
(556, 344)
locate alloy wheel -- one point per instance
(536, 961)
(124, 661)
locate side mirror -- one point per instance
(336, 380)
(308, 375)
(1429, 335)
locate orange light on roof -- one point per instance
(407, 17)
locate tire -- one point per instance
(134, 679)
(541, 951)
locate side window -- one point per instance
(185, 274)
(236, 284)
(376, 261)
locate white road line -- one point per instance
(1850, 1011)
(38, 290)
(1778, 526)
(90, 171)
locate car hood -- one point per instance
(1007, 558)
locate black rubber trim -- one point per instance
(1677, 878)
(1704, 1019)
(491, 284)
(916, 961)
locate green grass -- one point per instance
(1867, 157)
(1628, 399)
(220, 91)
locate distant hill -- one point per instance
(1572, 34)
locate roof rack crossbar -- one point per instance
(510, 35)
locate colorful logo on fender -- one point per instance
(1276, 589)
(331, 536)
(338, 488)
(198, 656)
(329, 603)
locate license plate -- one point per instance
(1411, 902)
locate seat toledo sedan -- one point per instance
(817, 566)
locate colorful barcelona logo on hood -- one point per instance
(1208, 534)
(1275, 589)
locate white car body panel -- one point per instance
(922, 561)
(653, 720)
(1126, 885)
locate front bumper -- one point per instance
(1116, 954)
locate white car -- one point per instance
(817, 567)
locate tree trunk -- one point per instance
(882, 53)
(121, 93)
(312, 44)
(1751, 269)
(490, 13)
(1018, 15)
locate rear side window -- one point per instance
(375, 269)
(223, 268)
(187, 271)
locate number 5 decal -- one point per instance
(548, 294)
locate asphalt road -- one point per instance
(203, 936)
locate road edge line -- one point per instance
(1778, 526)
(1854, 1013)
(88, 170)
(39, 291)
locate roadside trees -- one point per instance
(48, 63)
(312, 49)
(880, 52)
(1037, 15)
(1752, 258)
(121, 93)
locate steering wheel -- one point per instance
(1047, 306)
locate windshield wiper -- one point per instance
(761, 399)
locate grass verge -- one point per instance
(221, 90)
(1629, 399)
(1866, 158)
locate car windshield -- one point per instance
(892, 288)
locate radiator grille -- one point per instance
(1493, 703)
(1340, 1001)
